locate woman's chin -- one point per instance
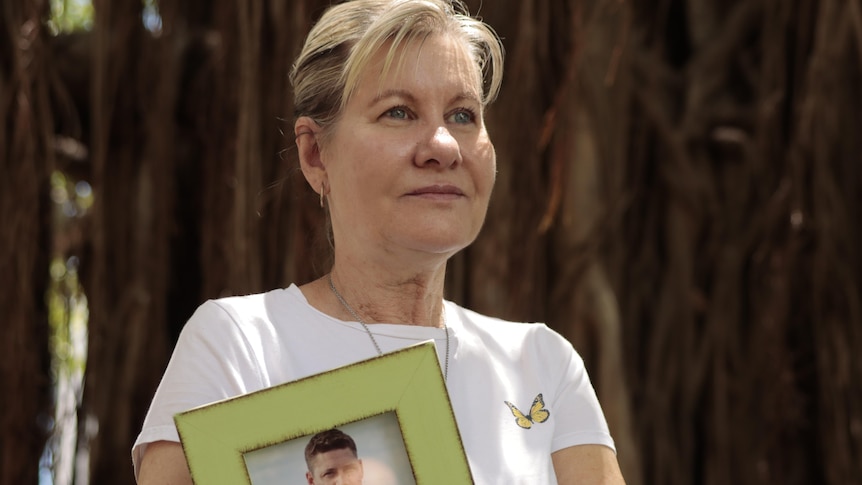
(439, 243)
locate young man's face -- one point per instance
(335, 467)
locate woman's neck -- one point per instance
(377, 295)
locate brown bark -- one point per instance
(588, 138)
(133, 94)
(26, 164)
(727, 248)
(510, 242)
(189, 184)
(824, 156)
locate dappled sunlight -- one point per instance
(70, 16)
(68, 315)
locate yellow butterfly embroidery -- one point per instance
(538, 413)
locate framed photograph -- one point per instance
(393, 411)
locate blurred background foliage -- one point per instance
(69, 16)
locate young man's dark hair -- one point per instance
(331, 458)
(331, 439)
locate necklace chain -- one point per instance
(371, 335)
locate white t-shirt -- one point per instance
(237, 345)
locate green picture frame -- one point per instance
(407, 382)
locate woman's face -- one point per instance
(409, 164)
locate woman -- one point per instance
(390, 96)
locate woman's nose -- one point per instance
(439, 148)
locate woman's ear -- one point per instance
(307, 133)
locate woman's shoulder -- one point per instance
(242, 329)
(256, 301)
(491, 328)
(244, 310)
(532, 353)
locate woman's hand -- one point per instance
(164, 463)
(587, 465)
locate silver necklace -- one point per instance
(371, 335)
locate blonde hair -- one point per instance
(348, 35)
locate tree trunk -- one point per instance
(133, 94)
(25, 163)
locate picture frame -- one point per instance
(407, 385)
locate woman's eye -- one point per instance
(463, 117)
(398, 113)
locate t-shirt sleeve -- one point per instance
(579, 419)
(211, 361)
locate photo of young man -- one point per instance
(332, 459)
